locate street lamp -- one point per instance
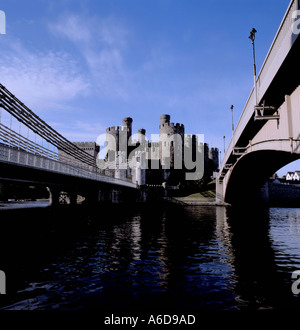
(252, 38)
(224, 145)
(232, 118)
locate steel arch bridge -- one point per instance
(267, 136)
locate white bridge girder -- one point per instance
(282, 136)
(257, 120)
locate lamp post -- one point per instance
(224, 144)
(252, 38)
(232, 119)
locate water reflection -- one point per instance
(164, 258)
(285, 225)
(261, 283)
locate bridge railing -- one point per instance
(65, 158)
(280, 47)
(14, 155)
(278, 51)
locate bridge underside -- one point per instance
(91, 190)
(251, 172)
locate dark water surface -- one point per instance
(163, 257)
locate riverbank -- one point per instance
(206, 197)
(194, 201)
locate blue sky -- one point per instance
(84, 65)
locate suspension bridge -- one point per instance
(33, 152)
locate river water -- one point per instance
(149, 258)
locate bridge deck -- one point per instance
(277, 68)
(13, 156)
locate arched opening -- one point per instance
(251, 172)
(291, 167)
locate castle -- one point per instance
(164, 161)
(172, 161)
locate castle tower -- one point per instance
(141, 135)
(171, 138)
(125, 134)
(206, 154)
(164, 120)
(127, 122)
(119, 137)
(213, 155)
(112, 139)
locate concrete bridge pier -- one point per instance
(54, 196)
(219, 192)
(115, 196)
(95, 196)
(73, 198)
(2, 282)
(142, 194)
(59, 197)
(100, 195)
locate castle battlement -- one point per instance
(84, 144)
(173, 125)
(117, 129)
(111, 129)
(168, 128)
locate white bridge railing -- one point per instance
(21, 157)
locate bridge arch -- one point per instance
(252, 170)
(267, 135)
